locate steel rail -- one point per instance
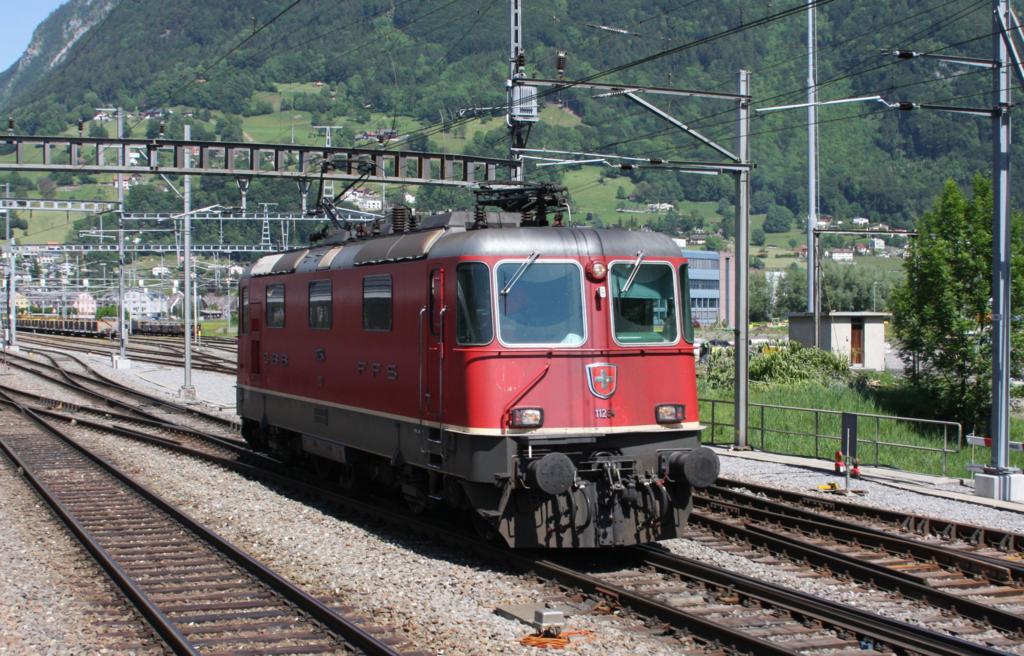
(894, 632)
(805, 520)
(348, 630)
(909, 585)
(920, 524)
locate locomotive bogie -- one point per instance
(522, 374)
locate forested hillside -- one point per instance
(428, 59)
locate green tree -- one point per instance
(779, 219)
(791, 295)
(757, 237)
(760, 297)
(941, 314)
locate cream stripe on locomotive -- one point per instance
(587, 430)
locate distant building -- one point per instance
(841, 255)
(712, 291)
(860, 221)
(861, 249)
(877, 244)
(857, 336)
(85, 305)
(142, 303)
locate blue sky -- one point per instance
(19, 20)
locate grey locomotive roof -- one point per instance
(494, 242)
(554, 242)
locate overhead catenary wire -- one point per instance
(435, 128)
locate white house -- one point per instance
(860, 221)
(85, 305)
(842, 255)
(877, 244)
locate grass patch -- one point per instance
(883, 441)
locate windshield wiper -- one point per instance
(632, 274)
(519, 273)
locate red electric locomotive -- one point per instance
(540, 377)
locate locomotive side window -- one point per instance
(643, 303)
(320, 304)
(540, 304)
(275, 306)
(473, 323)
(243, 319)
(684, 289)
(377, 303)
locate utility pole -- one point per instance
(742, 178)
(812, 162)
(1004, 482)
(120, 361)
(12, 295)
(187, 391)
(521, 100)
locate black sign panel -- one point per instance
(849, 434)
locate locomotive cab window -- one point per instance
(320, 304)
(540, 303)
(243, 318)
(377, 303)
(473, 323)
(275, 306)
(643, 303)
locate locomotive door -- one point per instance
(255, 356)
(432, 352)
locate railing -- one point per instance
(883, 440)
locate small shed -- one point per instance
(857, 336)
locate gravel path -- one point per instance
(53, 596)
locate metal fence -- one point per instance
(883, 440)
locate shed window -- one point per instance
(377, 303)
(320, 304)
(275, 306)
(243, 316)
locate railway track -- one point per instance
(949, 581)
(200, 593)
(155, 350)
(709, 604)
(656, 585)
(71, 373)
(983, 541)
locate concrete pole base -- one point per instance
(187, 393)
(1005, 487)
(117, 362)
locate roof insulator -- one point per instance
(627, 167)
(905, 54)
(906, 106)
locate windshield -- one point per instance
(543, 307)
(646, 313)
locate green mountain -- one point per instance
(419, 63)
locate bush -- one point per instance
(779, 219)
(777, 364)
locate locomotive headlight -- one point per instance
(597, 270)
(669, 413)
(526, 417)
